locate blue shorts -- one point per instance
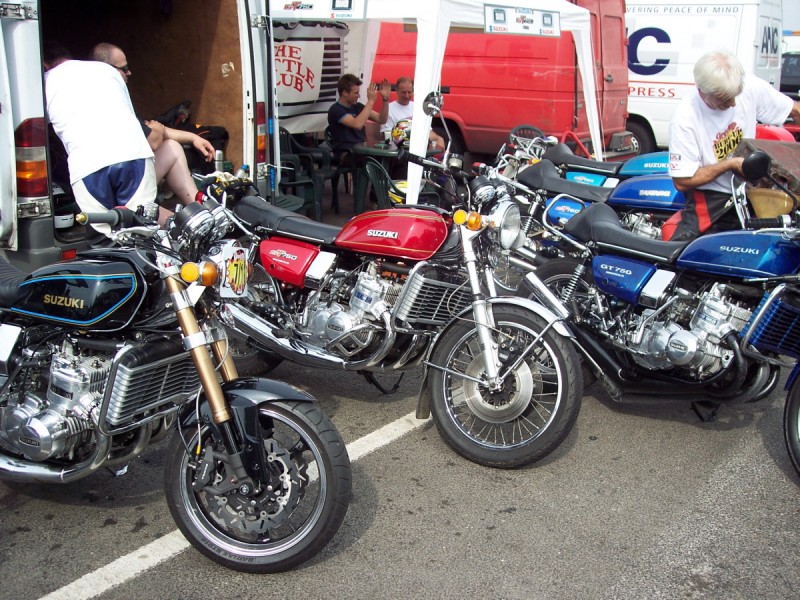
(130, 184)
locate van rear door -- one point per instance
(8, 184)
(610, 59)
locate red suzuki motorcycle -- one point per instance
(406, 287)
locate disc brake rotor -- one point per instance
(272, 507)
(505, 404)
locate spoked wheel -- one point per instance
(791, 425)
(301, 496)
(530, 414)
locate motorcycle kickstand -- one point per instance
(706, 410)
(370, 377)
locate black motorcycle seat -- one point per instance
(10, 279)
(543, 175)
(256, 211)
(600, 224)
(561, 154)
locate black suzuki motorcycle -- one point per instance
(101, 356)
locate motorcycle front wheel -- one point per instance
(300, 500)
(791, 425)
(532, 413)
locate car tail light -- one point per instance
(31, 152)
(261, 132)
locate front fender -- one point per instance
(423, 401)
(792, 376)
(244, 396)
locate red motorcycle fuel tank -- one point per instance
(287, 260)
(414, 234)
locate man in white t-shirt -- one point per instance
(166, 142)
(403, 108)
(707, 126)
(110, 162)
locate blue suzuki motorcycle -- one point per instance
(711, 320)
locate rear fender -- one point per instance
(423, 401)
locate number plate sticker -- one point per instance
(234, 276)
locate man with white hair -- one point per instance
(707, 126)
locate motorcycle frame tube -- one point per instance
(423, 401)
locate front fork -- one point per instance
(482, 312)
(196, 342)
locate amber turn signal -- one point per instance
(205, 273)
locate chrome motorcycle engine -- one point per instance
(346, 320)
(689, 335)
(641, 224)
(55, 412)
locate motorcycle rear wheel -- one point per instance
(282, 526)
(534, 411)
(791, 425)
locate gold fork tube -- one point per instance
(202, 360)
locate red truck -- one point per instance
(493, 83)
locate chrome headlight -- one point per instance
(506, 224)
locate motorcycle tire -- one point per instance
(791, 425)
(530, 416)
(282, 526)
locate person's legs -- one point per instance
(171, 166)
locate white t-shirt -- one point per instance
(91, 111)
(398, 112)
(700, 136)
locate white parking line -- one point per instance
(129, 566)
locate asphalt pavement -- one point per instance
(642, 501)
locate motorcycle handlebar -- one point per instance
(113, 217)
(773, 222)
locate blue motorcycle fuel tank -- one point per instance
(621, 277)
(83, 294)
(645, 164)
(653, 192)
(742, 254)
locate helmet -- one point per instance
(401, 133)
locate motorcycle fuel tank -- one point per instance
(83, 294)
(409, 233)
(654, 192)
(742, 254)
(645, 164)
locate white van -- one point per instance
(210, 53)
(665, 39)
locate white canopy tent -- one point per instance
(433, 20)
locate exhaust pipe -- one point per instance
(22, 471)
(250, 324)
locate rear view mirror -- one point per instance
(433, 104)
(756, 165)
